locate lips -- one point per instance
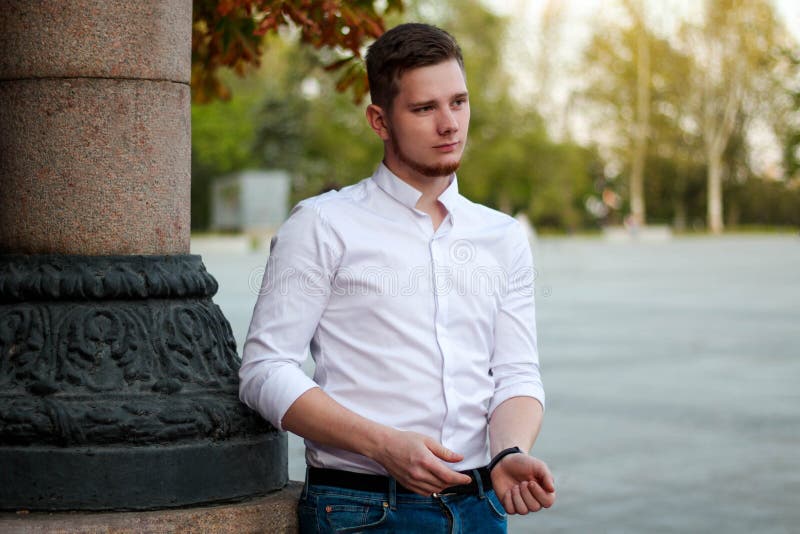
(447, 147)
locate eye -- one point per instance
(423, 109)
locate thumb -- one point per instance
(549, 484)
(545, 479)
(443, 452)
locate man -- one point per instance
(418, 308)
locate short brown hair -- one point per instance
(406, 47)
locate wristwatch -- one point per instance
(502, 454)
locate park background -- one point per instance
(671, 365)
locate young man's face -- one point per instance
(426, 128)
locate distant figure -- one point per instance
(632, 224)
(530, 231)
(426, 396)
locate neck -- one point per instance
(430, 186)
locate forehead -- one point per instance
(432, 82)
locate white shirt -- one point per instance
(415, 329)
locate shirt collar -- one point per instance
(407, 194)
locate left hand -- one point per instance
(523, 484)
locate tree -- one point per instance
(228, 33)
(641, 125)
(672, 105)
(288, 112)
(632, 92)
(511, 162)
(734, 50)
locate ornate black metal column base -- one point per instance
(119, 388)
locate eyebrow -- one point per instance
(432, 102)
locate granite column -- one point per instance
(118, 386)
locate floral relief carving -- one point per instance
(118, 356)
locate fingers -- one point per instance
(545, 478)
(443, 452)
(508, 503)
(416, 462)
(431, 476)
(426, 483)
(423, 488)
(448, 476)
(517, 501)
(523, 500)
(545, 498)
(527, 497)
(433, 472)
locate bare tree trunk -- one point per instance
(679, 205)
(714, 204)
(718, 125)
(642, 126)
(716, 138)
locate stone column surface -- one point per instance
(118, 373)
(95, 126)
(274, 514)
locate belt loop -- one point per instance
(477, 476)
(392, 493)
(304, 493)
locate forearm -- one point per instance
(318, 417)
(413, 459)
(515, 423)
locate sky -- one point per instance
(583, 11)
(580, 15)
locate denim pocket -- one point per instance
(307, 518)
(343, 514)
(495, 505)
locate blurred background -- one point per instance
(654, 148)
(678, 113)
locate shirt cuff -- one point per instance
(277, 394)
(517, 390)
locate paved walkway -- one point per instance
(673, 379)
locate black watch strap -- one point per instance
(502, 454)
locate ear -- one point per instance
(376, 117)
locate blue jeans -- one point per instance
(328, 509)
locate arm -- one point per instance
(523, 483)
(413, 459)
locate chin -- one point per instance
(439, 169)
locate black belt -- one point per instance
(380, 483)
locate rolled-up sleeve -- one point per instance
(515, 359)
(294, 292)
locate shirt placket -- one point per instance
(442, 290)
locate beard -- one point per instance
(431, 171)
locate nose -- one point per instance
(448, 124)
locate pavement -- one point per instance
(672, 371)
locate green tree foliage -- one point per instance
(291, 114)
(223, 134)
(612, 83)
(789, 128)
(229, 34)
(710, 85)
(511, 162)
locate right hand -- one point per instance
(415, 461)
